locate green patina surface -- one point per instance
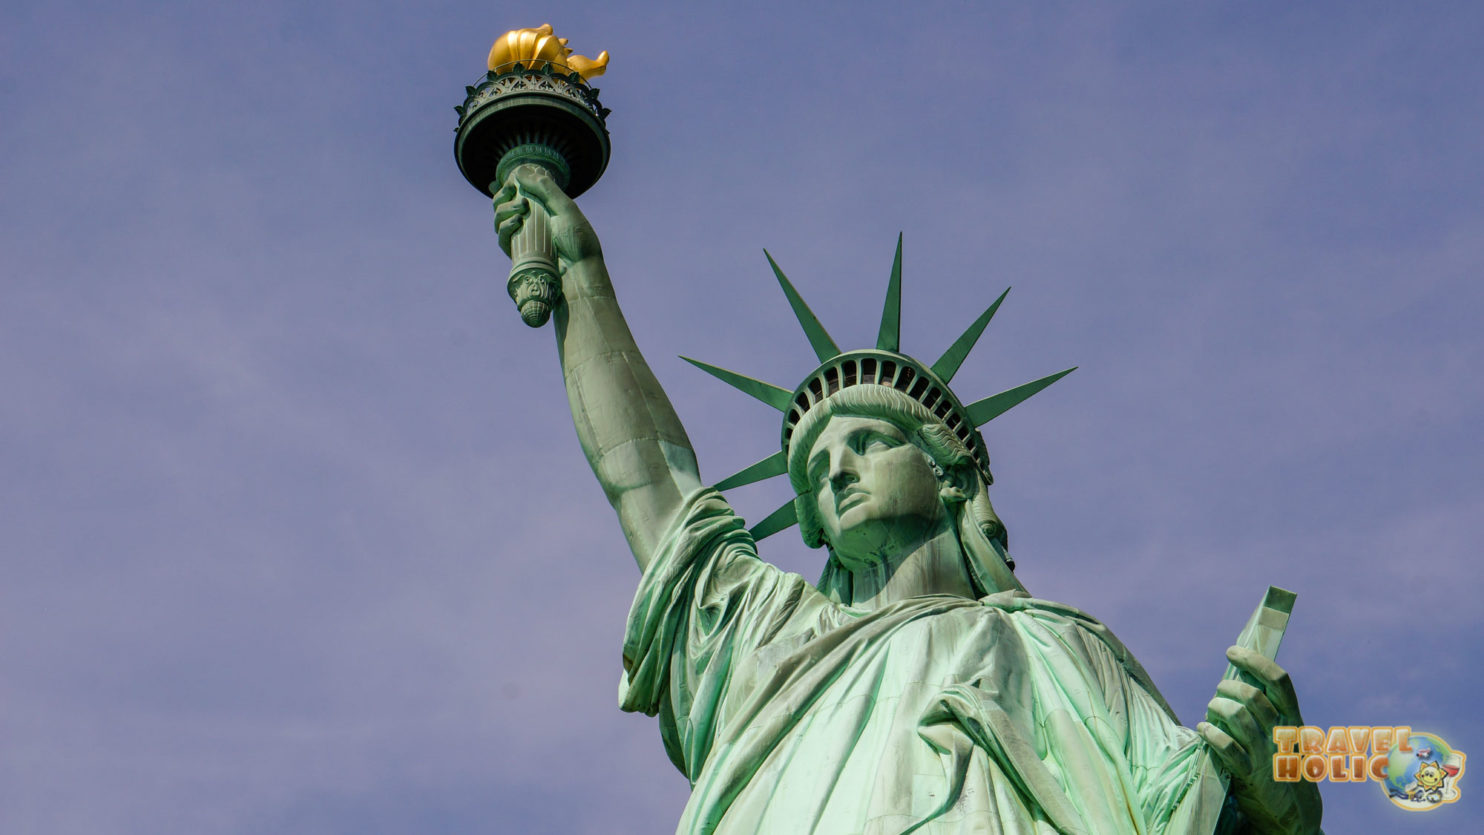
(916, 686)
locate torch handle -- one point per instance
(533, 283)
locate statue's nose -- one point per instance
(843, 470)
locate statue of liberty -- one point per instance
(916, 687)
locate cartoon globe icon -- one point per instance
(1401, 783)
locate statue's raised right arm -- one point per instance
(628, 428)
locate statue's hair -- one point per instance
(944, 451)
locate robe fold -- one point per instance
(790, 713)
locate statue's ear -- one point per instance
(956, 485)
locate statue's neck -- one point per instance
(933, 565)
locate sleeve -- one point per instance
(705, 602)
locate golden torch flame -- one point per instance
(537, 48)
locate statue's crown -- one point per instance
(883, 365)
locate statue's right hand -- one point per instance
(510, 214)
(572, 236)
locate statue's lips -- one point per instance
(850, 498)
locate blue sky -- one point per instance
(296, 536)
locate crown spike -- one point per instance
(775, 464)
(781, 519)
(889, 338)
(767, 392)
(824, 346)
(983, 411)
(947, 365)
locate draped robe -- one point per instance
(791, 713)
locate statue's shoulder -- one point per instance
(706, 517)
(1078, 630)
(1019, 602)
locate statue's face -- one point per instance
(876, 492)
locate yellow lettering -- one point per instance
(1337, 769)
(1286, 768)
(1381, 741)
(1311, 740)
(1377, 768)
(1337, 742)
(1285, 737)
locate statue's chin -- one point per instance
(866, 539)
(862, 541)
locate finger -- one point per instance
(517, 208)
(1275, 681)
(508, 228)
(1225, 749)
(508, 220)
(1238, 722)
(505, 194)
(536, 183)
(1255, 700)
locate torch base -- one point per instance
(516, 111)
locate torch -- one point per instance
(534, 106)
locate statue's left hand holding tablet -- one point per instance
(1239, 728)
